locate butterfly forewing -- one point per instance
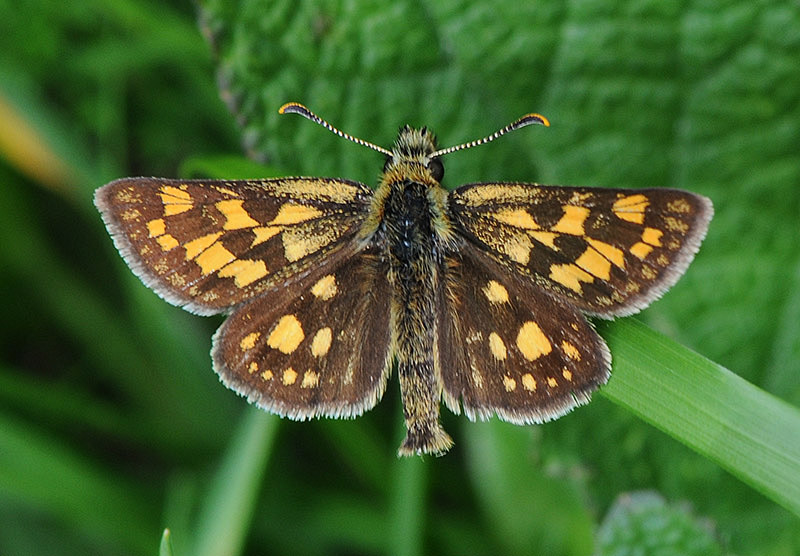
(209, 245)
(509, 348)
(324, 352)
(608, 251)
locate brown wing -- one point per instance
(509, 348)
(608, 251)
(323, 352)
(209, 245)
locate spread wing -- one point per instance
(509, 348)
(530, 259)
(208, 245)
(607, 251)
(325, 351)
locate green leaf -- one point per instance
(226, 167)
(408, 504)
(749, 432)
(643, 523)
(165, 547)
(38, 469)
(516, 492)
(233, 493)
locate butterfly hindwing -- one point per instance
(324, 352)
(506, 347)
(208, 245)
(608, 251)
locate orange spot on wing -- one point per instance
(236, 217)
(570, 276)
(631, 208)
(287, 335)
(244, 271)
(532, 342)
(572, 221)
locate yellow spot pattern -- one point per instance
(325, 288)
(519, 218)
(214, 258)
(290, 213)
(497, 346)
(675, 225)
(289, 377)
(287, 335)
(631, 208)
(167, 242)
(267, 375)
(321, 342)
(572, 221)
(264, 233)
(532, 342)
(495, 292)
(175, 200)
(567, 374)
(594, 263)
(509, 383)
(296, 246)
(249, 341)
(252, 367)
(236, 216)
(570, 276)
(197, 246)
(156, 227)
(552, 382)
(177, 280)
(680, 206)
(571, 351)
(244, 271)
(652, 236)
(518, 249)
(546, 238)
(226, 191)
(613, 254)
(131, 214)
(640, 250)
(310, 379)
(528, 382)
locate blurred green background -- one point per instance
(113, 425)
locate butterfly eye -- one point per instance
(436, 168)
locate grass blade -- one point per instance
(228, 510)
(744, 429)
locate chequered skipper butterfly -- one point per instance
(478, 295)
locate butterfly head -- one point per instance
(413, 154)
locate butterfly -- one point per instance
(477, 296)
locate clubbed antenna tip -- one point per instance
(526, 120)
(297, 108)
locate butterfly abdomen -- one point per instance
(411, 245)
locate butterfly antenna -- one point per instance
(297, 108)
(526, 120)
